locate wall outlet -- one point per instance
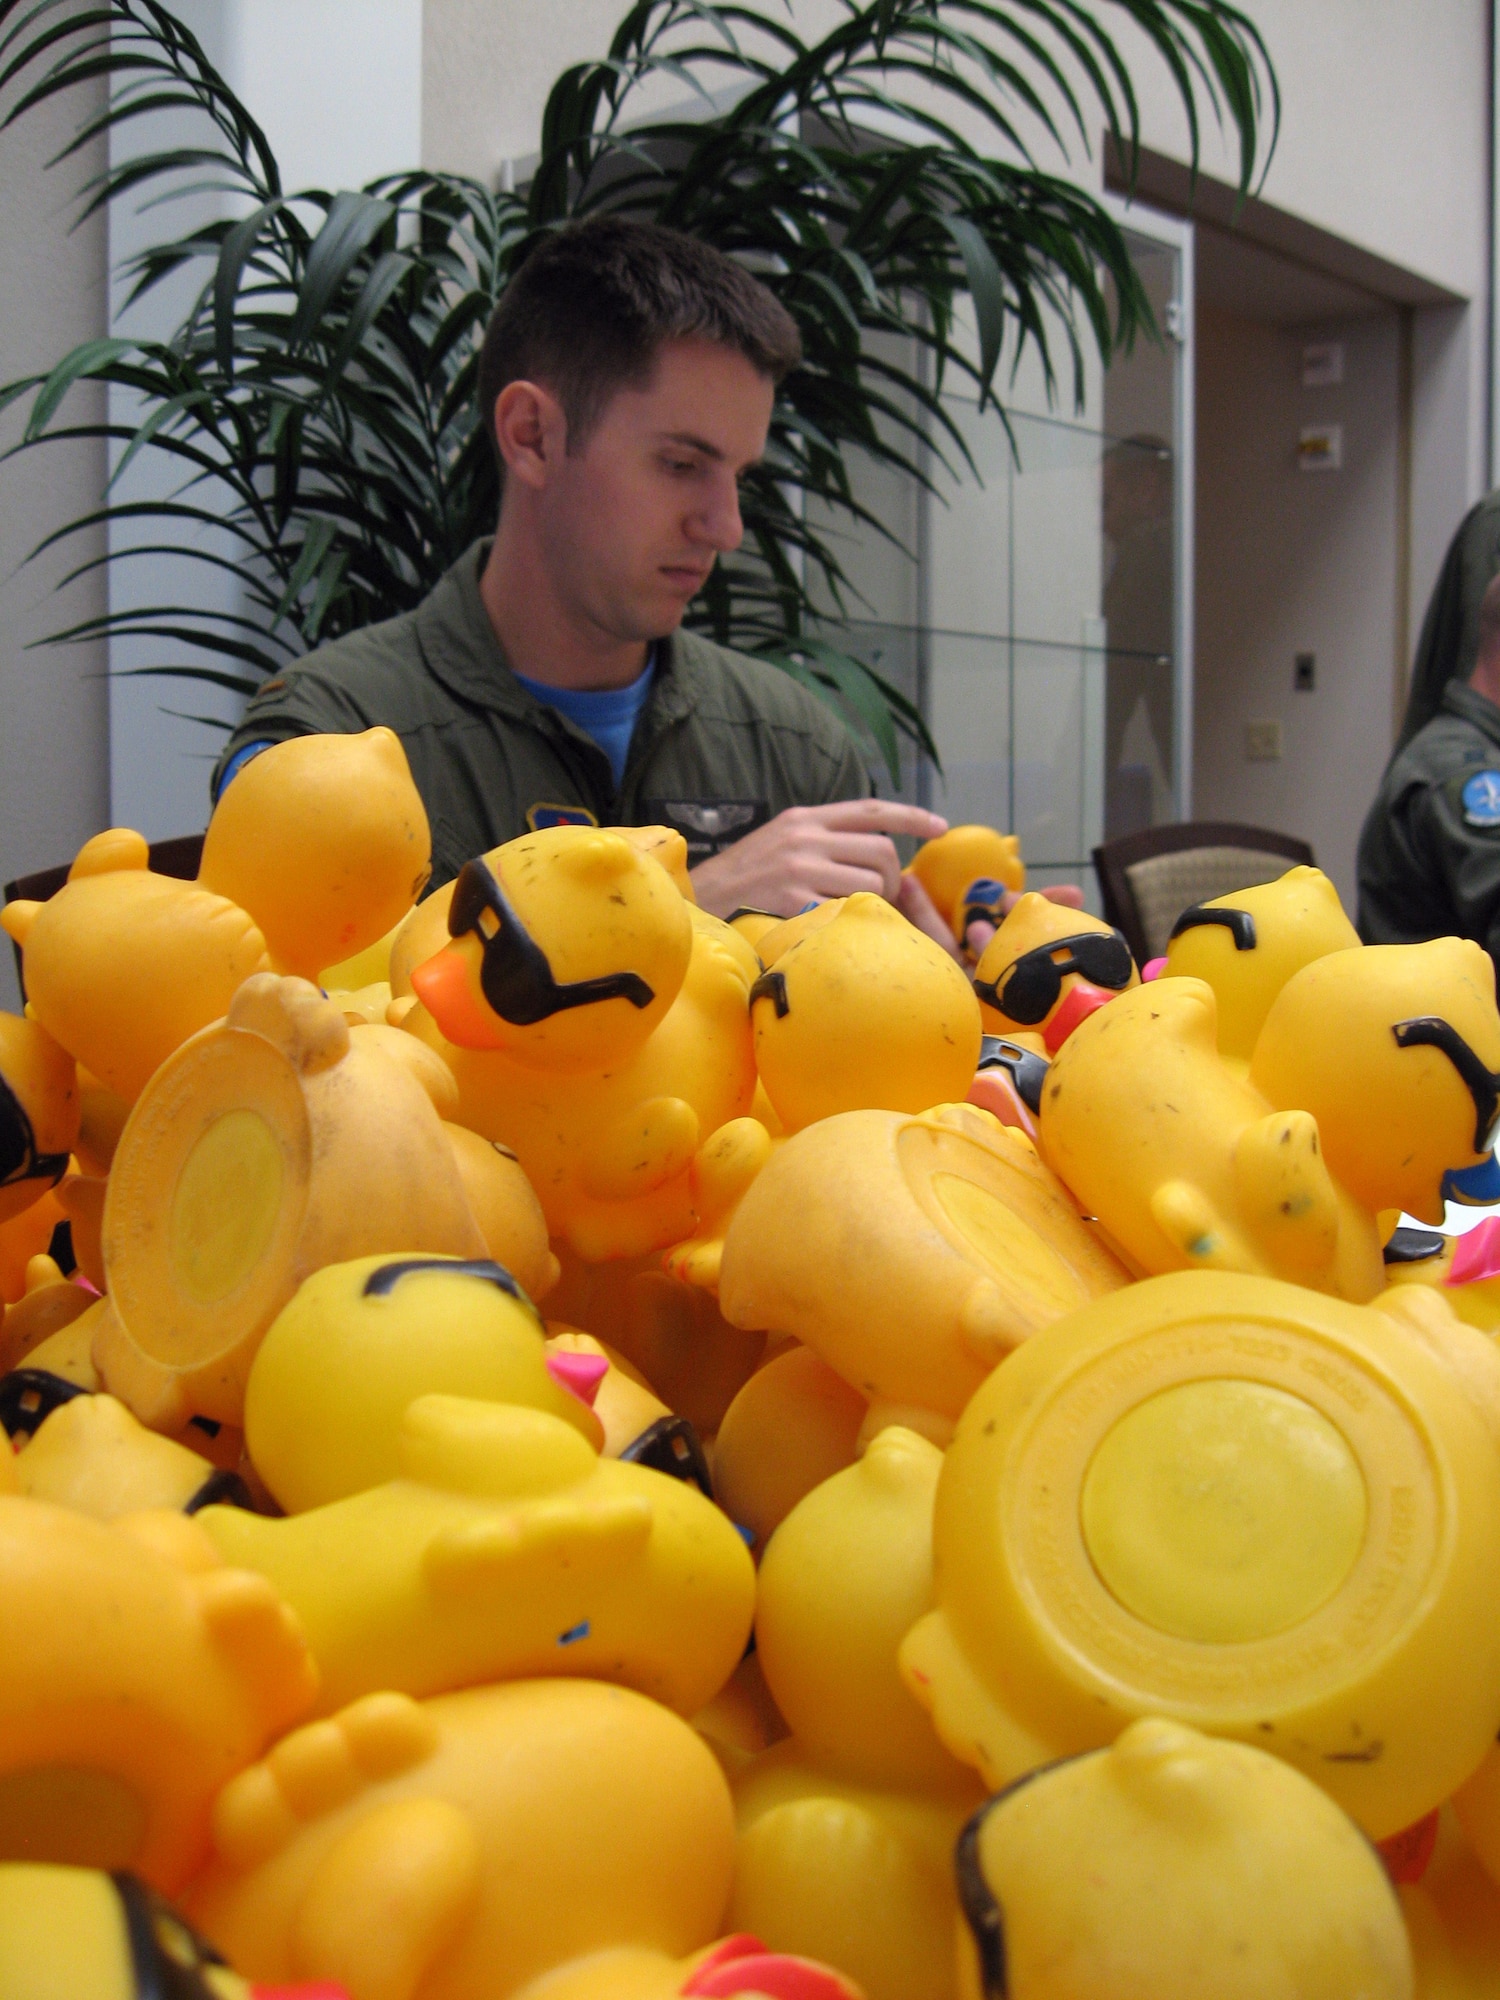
(1262, 742)
(1304, 672)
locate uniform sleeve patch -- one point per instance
(543, 815)
(707, 825)
(1480, 799)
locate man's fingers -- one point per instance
(879, 816)
(1068, 894)
(919, 910)
(825, 879)
(866, 850)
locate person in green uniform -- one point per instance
(1429, 854)
(627, 377)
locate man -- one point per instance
(1429, 855)
(627, 377)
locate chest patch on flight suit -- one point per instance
(540, 816)
(1480, 799)
(710, 825)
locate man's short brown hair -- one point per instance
(589, 309)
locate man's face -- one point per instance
(632, 524)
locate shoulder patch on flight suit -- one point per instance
(1480, 799)
(707, 825)
(540, 816)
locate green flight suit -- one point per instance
(1449, 643)
(725, 742)
(1429, 854)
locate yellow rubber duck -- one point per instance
(122, 964)
(861, 1011)
(90, 1454)
(1187, 1165)
(1046, 969)
(39, 1113)
(605, 1103)
(271, 1144)
(566, 949)
(1248, 945)
(671, 1333)
(1477, 1804)
(912, 1253)
(1463, 1270)
(1452, 1912)
(81, 1198)
(48, 1372)
(50, 1303)
(1234, 1502)
(794, 1424)
(846, 1828)
(1394, 1050)
(507, 1548)
(360, 1341)
(82, 1934)
(738, 1968)
(24, 1237)
(101, 1119)
(637, 1425)
(324, 840)
(556, 1837)
(967, 872)
(505, 1206)
(138, 1675)
(1193, 1868)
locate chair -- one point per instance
(1149, 878)
(179, 857)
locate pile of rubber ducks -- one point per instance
(565, 1449)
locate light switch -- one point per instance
(1322, 364)
(1320, 448)
(1262, 742)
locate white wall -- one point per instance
(336, 87)
(1384, 138)
(487, 66)
(54, 767)
(1384, 126)
(1288, 562)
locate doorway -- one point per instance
(1300, 482)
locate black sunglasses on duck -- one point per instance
(514, 974)
(19, 1159)
(1483, 1085)
(1029, 987)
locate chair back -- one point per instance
(1149, 878)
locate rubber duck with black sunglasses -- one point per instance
(1046, 969)
(39, 1112)
(594, 1020)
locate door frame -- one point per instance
(1175, 232)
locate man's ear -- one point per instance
(531, 430)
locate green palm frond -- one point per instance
(316, 403)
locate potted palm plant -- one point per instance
(316, 402)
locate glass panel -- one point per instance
(1045, 661)
(1137, 597)
(1018, 726)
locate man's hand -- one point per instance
(809, 853)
